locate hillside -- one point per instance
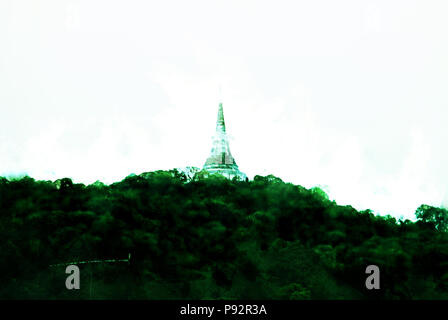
(211, 238)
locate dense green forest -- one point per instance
(198, 237)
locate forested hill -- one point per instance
(211, 238)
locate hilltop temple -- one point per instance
(220, 159)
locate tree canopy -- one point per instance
(192, 236)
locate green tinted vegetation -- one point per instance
(211, 238)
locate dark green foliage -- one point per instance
(436, 218)
(197, 237)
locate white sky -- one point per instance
(349, 95)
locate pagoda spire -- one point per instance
(220, 123)
(221, 160)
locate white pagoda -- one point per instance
(220, 159)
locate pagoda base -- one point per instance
(229, 173)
